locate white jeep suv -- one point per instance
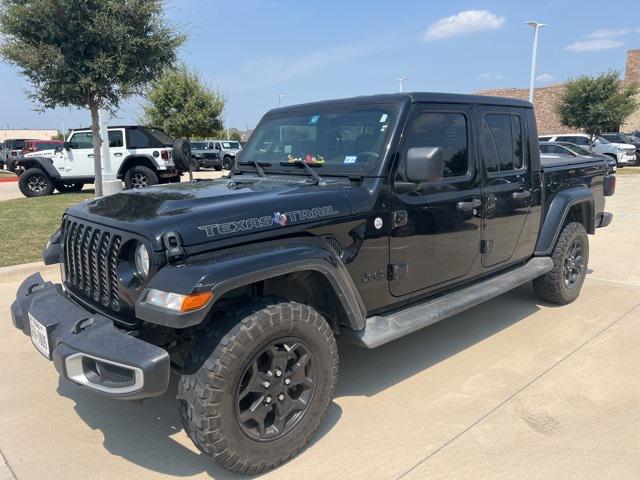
(623, 153)
(140, 156)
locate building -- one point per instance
(546, 98)
(28, 134)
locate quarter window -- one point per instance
(115, 138)
(503, 139)
(445, 130)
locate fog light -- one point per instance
(176, 301)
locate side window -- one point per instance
(81, 140)
(503, 142)
(544, 139)
(137, 139)
(445, 130)
(115, 139)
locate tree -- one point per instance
(182, 105)
(597, 104)
(87, 54)
(235, 135)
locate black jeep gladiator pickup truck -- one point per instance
(367, 218)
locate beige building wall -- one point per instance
(546, 98)
(28, 134)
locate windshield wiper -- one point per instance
(307, 167)
(258, 166)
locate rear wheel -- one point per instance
(570, 257)
(35, 183)
(140, 177)
(69, 187)
(259, 387)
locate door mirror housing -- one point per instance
(66, 145)
(425, 164)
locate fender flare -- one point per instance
(557, 214)
(43, 163)
(228, 269)
(124, 166)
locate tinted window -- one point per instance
(137, 139)
(503, 142)
(82, 140)
(115, 139)
(553, 149)
(575, 139)
(159, 136)
(445, 130)
(544, 139)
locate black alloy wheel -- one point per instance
(276, 389)
(573, 264)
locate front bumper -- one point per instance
(87, 348)
(626, 159)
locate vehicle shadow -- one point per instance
(145, 432)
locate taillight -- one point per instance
(164, 154)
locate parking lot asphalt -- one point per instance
(10, 190)
(510, 389)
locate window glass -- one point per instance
(137, 139)
(503, 142)
(81, 140)
(544, 139)
(115, 138)
(445, 130)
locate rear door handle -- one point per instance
(117, 154)
(469, 206)
(90, 155)
(521, 195)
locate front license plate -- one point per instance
(39, 336)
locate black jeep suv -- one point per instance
(366, 218)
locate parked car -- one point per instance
(12, 149)
(623, 153)
(228, 150)
(571, 150)
(367, 218)
(205, 156)
(140, 156)
(39, 145)
(624, 138)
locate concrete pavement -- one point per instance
(510, 389)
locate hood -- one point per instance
(207, 211)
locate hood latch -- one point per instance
(173, 247)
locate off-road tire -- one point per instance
(182, 154)
(207, 392)
(551, 286)
(34, 182)
(227, 162)
(139, 177)
(195, 165)
(69, 187)
(218, 168)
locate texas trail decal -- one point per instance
(277, 218)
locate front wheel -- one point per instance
(570, 257)
(35, 183)
(227, 163)
(254, 394)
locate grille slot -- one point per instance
(90, 260)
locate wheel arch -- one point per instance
(576, 204)
(134, 161)
(43, 163)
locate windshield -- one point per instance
(346, 139)
(160, 136)
(231, 145)
(577, 149)
(197, 145)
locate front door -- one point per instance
(435, 227)
(507, 184)
(79, 162)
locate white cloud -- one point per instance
(594, 45)
(467, 21)
(544, 77)
(489, 76)
(609, 33)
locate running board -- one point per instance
(379, 330)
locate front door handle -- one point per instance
(117, 154)
(523, 195)
(90, 155)
(469, 206)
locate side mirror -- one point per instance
(66, 145)
(425, 164)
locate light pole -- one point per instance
(280, 97)
(536, 27)
(402, 80)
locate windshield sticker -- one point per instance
(350, 159)
(383, 118)
(308, 159)
(282, 219)
(383, 128)
(314, 119)
(288, 149)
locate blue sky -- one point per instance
(254, 50)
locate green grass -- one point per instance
(27, 223)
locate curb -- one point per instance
(14, 273)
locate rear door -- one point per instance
(435, 226)
(507, 184)
(117, 148)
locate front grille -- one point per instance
(114, 373)
(630, 151)
(90, 258)
(209, 155)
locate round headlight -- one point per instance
(142, 260)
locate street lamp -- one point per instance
(402, 80)
(536, 27)
(280, 97)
